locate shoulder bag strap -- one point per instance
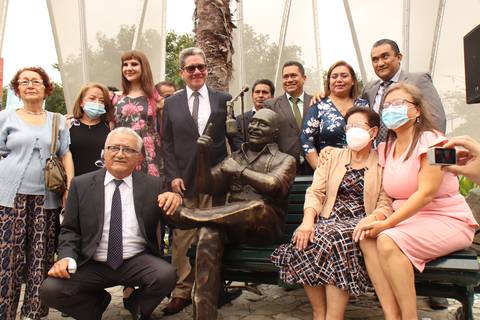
(53, 143)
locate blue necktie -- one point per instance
(115, 241)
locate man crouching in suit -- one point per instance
(109, 233)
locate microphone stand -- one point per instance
(244, 123)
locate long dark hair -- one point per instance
(423, 122)
(146, 78)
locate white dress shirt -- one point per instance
(132, 239)
(301, 99)
(203, 106)
(380, 92)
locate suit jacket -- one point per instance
(424, 82)
(82, 227)
(247, 118)
(179, 141)
(289, 138)
(322, 194)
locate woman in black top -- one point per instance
(93, 115)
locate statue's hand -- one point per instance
(231, 167)
(204, 142)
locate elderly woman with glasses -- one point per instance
(28, 212)
(346, 189)
(430, 217)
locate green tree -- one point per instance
(465, 118)
(175, 44)
(56, 101)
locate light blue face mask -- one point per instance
(395, 117)
(94, 110)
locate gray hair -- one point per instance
(192, 51)
(126, 130)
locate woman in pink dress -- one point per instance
(430, 218)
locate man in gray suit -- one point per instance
(386, 59)
(262, 90)
(292, 106)
(109, 233)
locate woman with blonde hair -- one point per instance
(93, 119)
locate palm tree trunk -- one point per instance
(213, 34)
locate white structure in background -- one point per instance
(90, 37)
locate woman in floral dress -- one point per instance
(346, 189)
(137, 108)
(324, 125)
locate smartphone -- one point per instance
(442, 156)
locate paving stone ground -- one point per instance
(277, 304)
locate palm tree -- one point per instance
(213, 34)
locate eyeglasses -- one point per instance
(363, 125)
(193, 67)
(116, 149)
(26, 82)
(396, 103)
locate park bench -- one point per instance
(453, 276)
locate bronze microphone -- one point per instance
(230, 123)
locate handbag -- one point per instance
(55, 175)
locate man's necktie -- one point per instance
(382, 133)
(196, 103)
(115, 238)
(296, 112)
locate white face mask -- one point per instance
(357, 138)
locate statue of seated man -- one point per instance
(257, 179)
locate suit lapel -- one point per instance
(287, 111)
(139, 190)
(306, 106)
(183, 108)
(98, 200)
(212, 98)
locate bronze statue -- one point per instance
(257, 178)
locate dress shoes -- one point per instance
(131, 304)
(176, 305)
(438, 303)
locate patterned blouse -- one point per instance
(324, 126)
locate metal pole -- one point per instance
(436, 37)
(3, 20)
(163, 43)
(281, 40)
(406, 35)
(139, 29)
(240, 52)
(318, 53)
(83, 40)
(355, 40)
(66, 89)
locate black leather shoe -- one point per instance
(131, 304)
(437, 303)
(228, 296)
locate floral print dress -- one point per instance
(140, 114)
(324, 126)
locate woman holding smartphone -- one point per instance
(430, 217)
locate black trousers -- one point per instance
(82, 296)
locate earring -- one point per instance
(417, 120)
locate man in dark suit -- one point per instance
(262, 90)
(292, 107)
(185, 117)
(386, 59)
(109, 233)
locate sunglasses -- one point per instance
(191, 68)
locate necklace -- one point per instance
(33, 113)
